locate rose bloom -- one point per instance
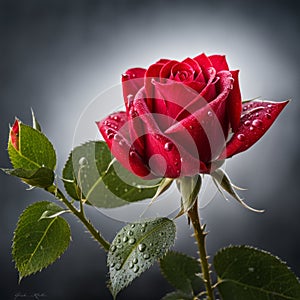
(184, 118)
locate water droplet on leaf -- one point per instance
(131, 241)
(141, 247)
(136, 269)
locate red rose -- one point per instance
(179, 116)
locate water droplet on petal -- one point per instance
(251, 128)
(168, 146)
(131, 241)
(257, 123)
(141, 247)
(209, 113)
(268, 116)
(110, 136)
(191, 127)
(247, 123)
(270, 105)
(136, 269)
(241, 137)
(116, 118)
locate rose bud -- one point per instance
(184, 118)
(14, 135)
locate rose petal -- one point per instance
(132, 81)
(14, 135)
(177, 95)
(114, 130)
(257, 118)
(208, 126)
(204, 63)
(164, 156)
(219, 62)
(234, 107)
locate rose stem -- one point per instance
(200, 234)
(80, 215)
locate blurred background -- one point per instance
(56, 56)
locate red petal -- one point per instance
(14, 135)
(132, 81)
(165, 158)
(257, 118)
(114, 130)
(219, 62)
(235, 102)
(208, 126)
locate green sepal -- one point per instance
(35, 150)
(42, 177)
(189, 188)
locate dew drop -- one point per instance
(41, 247)
(131, 265)
(146, 256)
(117, 137)
(257, 123)
(247, 123)
(83, 161)
(110, 136)
(141, 247)
(116, 118)
(161, 233)
(125, 239)
(268, 116)
(136, 269)
(113, 248)
(132, 225)
(191, 127)
(125, 190)
(132, 154)
(118, 240)
(120, 246)
(168, 146)
(121, 143)
(131, 241)
(209, 113)
(144, 225)
(241, 137)
(245, 107)
(118, 267)
(135, 260)
(112, 264)
(270, 105)
(142, 230)
(130, 232)
(251, 128)
(251, 269)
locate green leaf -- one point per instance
(35, 150)
(177, 296)
(42, 177)
(251, 274)
(182, 272)
(93, 175)
(135, 248)
(39, 242)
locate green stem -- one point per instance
(80, 215)
(200, 235)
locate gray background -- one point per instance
(55, 56)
